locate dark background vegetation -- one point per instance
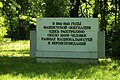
(20, 17)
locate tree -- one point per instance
(10, 12)
(116, 31)
(75, 9)
(54, 8)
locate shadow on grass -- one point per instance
(28, 67)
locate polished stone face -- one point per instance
(67, 34)
(77, 35)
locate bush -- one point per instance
(2, 29)
(116, 42)
(116, 48)
(2, 33)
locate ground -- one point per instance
(16, 64)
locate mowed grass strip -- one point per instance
(15, 48)
(16, 64)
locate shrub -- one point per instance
(116, 42)
(2, 29)
(2, 33)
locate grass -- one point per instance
(15, 64)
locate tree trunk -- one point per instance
(74, 11)
(76, 8)
(115, 13)
(96, 8)
(119, 13)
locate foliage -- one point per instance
(2, 33)
(15, 63)
(18, 14)
(2, 29)
(54, 8)
(115, 42)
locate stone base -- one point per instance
(70, 60)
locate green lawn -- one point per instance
(15, 64)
